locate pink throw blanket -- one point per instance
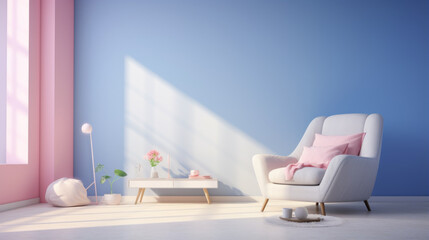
(292, 168)
(315, 157)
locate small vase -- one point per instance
(153, 172)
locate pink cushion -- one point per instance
(321, 155)
(354, 142)
(315, 157)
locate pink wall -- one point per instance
(50, 104)
(47, 93)
(21, 181)
(56, 137)
(64, 74)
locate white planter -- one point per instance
(112, 199)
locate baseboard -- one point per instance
(24, 203)
(399, 199)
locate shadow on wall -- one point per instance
(394, 139)
(159, 116)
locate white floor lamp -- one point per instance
(87, 129)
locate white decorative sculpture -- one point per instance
(66, 192)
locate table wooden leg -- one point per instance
(138, 195)
(265, 204)
(141, 194)
(207, 195)
(322, 206)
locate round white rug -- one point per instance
(326, 221)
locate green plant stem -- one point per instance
(114, 179)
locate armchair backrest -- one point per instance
(347, 124)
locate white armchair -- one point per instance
(348, 178)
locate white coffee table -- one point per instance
(143, 183)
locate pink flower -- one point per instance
(151, 154)
(153, 157)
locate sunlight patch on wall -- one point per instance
(157, 115)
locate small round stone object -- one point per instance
(301, 213)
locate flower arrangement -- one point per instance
(153, 157)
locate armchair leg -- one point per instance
(367, 205)
(322, 206)
(265, 204)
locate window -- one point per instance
(14, 80)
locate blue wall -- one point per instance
(259, 72)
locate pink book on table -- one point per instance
(200, 177)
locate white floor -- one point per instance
(219, 220)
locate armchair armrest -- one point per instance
(349, 178)
(264, 163)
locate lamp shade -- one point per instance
(86, 128)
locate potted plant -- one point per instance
(111, 199)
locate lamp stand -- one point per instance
(93, 170)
